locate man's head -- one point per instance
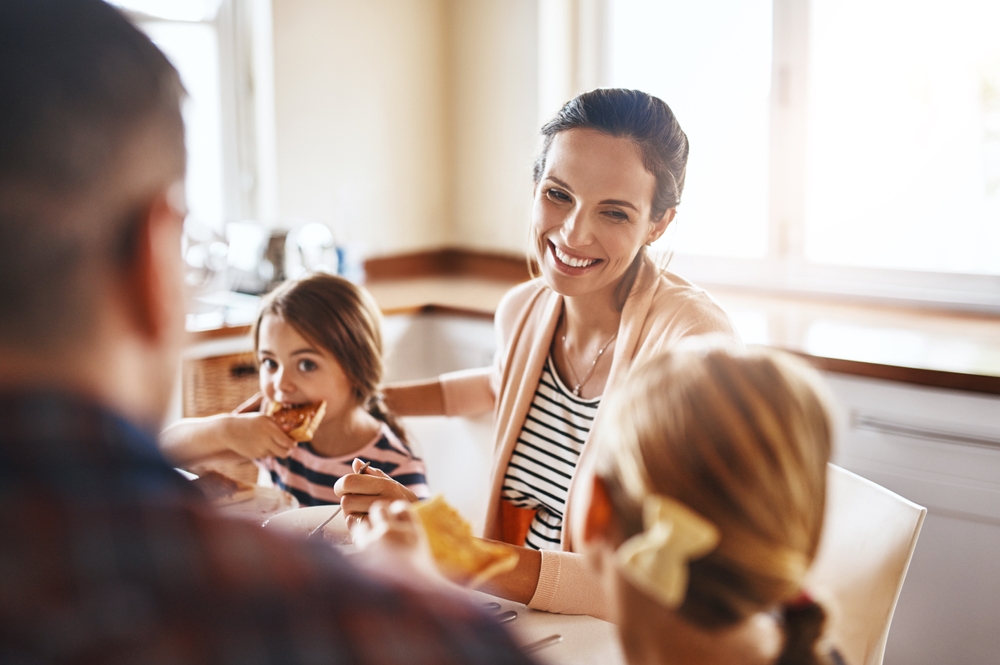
(91, 157)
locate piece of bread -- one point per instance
(300, 421)
(462, 557)
(222, 490)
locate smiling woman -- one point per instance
(608, 181)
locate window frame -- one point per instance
(785, 270)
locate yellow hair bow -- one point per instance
(656, 560)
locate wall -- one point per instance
(360, 119)
(407, 124)
(493, 69)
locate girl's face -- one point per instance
(591, 211)
(293, 370)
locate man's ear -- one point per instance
(660, 227)
(155, 279)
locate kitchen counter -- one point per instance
(940, 349)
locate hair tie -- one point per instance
(801, 601)
(656, 560)
(376, 399)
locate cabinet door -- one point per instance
(941, 449)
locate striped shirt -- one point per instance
(545, 457)
(310, 477)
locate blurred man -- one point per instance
(106, 555)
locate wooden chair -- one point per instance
(868, 539)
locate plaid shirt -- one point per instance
(108, 556)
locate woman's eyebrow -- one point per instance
(616, 202)
(306, 351)
(559, 182)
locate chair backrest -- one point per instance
(869, 534)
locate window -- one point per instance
(193, 48)
(220, 48)
(837, 146)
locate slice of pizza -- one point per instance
(222, 490)
(461, 556)
(299, 421)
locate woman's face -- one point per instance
(295, 371)
(591, 212)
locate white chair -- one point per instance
(868, 539)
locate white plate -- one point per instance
(266, 502)
(300, 522)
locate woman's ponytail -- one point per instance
(803, 624)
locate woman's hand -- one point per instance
(358, 492)
(255, 435)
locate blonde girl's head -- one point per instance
(343, 319)
(742, 439)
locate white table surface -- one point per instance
(585, 639)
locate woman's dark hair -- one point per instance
(639, 117)
(342, 318)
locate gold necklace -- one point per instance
(593, 365)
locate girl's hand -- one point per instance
(358, 492)
(255, 435)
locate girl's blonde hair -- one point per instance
(743, 439)
(342, 318)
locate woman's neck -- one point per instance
(597, 315)
(346, 433)
(588, 317)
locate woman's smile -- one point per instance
(569, 261)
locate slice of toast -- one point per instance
(462, 557)
(299, 421)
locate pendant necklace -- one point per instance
(593, 365)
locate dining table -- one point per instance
(585, 640)
(582, 639)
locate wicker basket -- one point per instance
(218, 384)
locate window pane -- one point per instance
(904, 135)
(193, 50)
(711, 62)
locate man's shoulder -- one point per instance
(306, 594)
(159, 578)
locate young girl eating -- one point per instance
(317, 340)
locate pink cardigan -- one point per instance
(661, 309)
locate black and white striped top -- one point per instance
(546, 455)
